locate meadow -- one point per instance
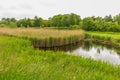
(20, 61)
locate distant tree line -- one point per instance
(108, 23)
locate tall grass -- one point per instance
(20, 61)
(110, 37)
(45, 37)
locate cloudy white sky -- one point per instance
(48, 8)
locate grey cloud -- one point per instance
(18, 15)
(6, 14)
(47, 4)
(26, 6)
(48, 8)
(21, 7)
(13, 7)
(2, 7)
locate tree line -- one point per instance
(108, 23)
(60, 20)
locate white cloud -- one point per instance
(48, 8)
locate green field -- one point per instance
(20, 61)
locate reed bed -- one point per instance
(41, 37)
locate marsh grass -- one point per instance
(20, 61)
(42, 37)
(112, 38)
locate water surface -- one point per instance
(96, 51)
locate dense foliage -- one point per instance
(102, 24)
(108, 23)
(65, 20)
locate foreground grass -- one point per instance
(107, 36)
(19, 61)
(42, 37)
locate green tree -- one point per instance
(88, 24)
(117, 18)
(38, 21)
(108, 18)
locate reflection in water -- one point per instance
(65, 48)
(98, 52)
(92, 50)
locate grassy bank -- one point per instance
(112, 38)
(45, 37)
(20, 61)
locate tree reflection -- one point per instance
(87, 45)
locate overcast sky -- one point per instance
(48, 8)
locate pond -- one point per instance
(89, 49)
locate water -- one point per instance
(96, 51)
